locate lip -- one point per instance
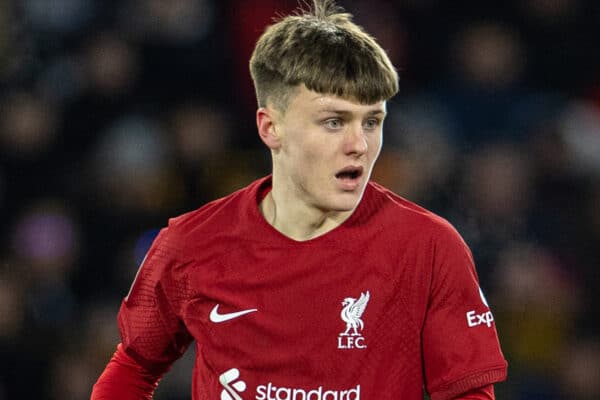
(349, 178)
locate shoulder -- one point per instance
(406, 216)
(174, 249)
(215, 218)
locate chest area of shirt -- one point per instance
(331, 299)
(303, 320)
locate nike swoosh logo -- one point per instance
(217, 318)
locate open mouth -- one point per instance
(350, 173)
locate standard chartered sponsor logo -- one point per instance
(234, 387)
(272, 392)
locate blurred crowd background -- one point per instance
(117, 114)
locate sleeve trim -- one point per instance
(458, 387)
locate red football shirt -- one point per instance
(378, 308)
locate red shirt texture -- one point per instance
(378, 308)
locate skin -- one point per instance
(311, 142)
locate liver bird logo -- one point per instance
(352, 310)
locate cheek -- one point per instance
(375, 145)
(309, 151)
(301, 157)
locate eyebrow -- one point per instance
(345, 112)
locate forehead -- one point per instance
(318, 102)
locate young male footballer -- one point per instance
(313, 283)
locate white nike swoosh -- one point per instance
(216, 317)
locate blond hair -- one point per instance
(324, 50)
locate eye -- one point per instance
(334, 123)
(372, 123)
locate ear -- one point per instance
(265, 121)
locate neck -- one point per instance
(297, 220)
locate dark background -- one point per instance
(115, 115)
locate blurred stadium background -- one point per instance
(116, 115)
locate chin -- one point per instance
(344, 203)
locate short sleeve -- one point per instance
(151, 329)
(461, 350)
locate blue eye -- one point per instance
(334, 123)
(372, 123)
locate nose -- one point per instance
(355, 141)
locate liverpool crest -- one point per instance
(352, 311)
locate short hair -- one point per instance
(324, 50)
